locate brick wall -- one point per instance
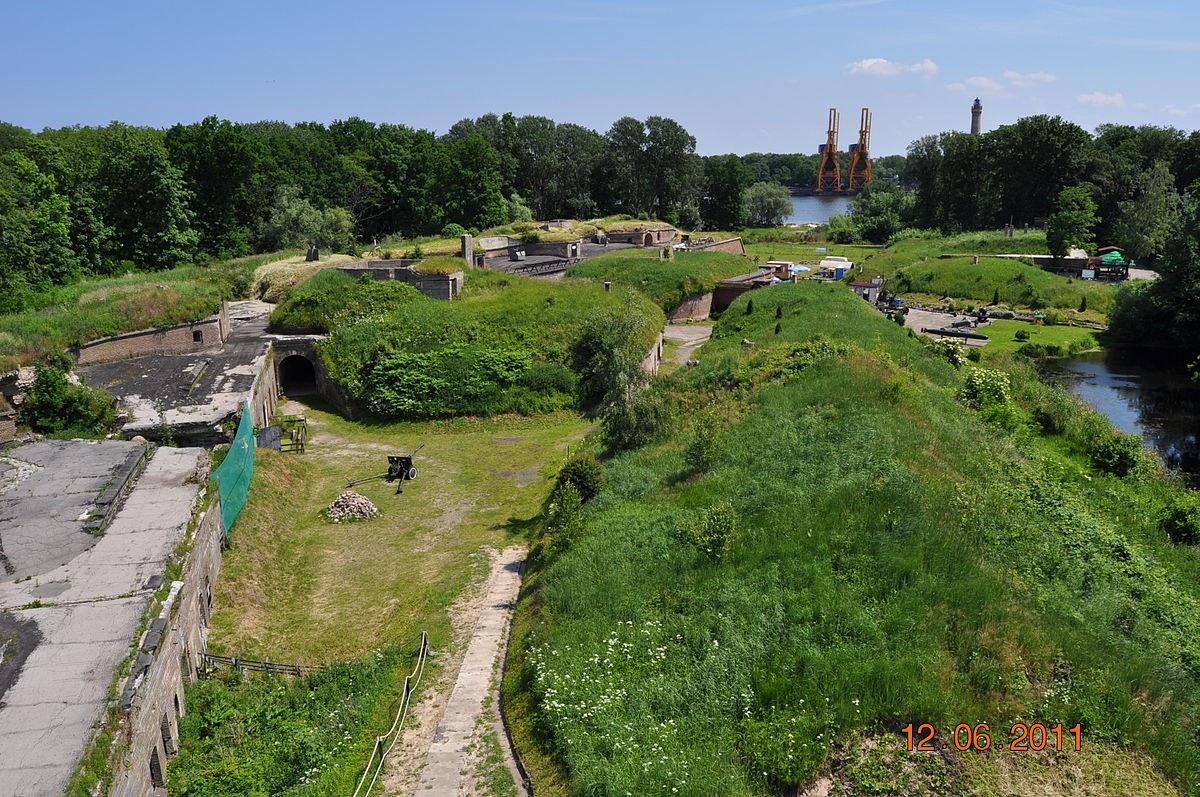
(696, 308)
(733, 246)
(169, 657)
(8, 426)
(726, 292)
(654, 357)
(203, 335)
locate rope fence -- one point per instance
(383, 747)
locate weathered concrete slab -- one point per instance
(50, 491)
(49, 712)
(193, 390)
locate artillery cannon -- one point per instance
(400, 468)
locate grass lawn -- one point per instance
(297, 588)
(1002, 336)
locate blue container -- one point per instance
(839, 272)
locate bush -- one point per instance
(1021, 334)
(453, 230)
(1115, 452)
(1181, 520)
(53, 404)
(585, 473)
(634, 422)
(550, 378)
(703, 452)
(710, 531)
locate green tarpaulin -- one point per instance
(234, 474)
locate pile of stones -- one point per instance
(349, 507)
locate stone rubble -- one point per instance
(351, 506)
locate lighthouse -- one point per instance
(976, 113)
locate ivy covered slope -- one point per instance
(507, 344)
(836, 532)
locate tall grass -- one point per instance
(665, 282)
(896, 558)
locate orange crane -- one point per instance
(860, 157)
(829, 171)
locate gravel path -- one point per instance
(689, 336)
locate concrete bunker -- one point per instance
(297, 375)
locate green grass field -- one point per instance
(295, 587)
(1002, 336)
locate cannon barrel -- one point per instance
(955, 333)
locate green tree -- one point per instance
(1073, 221)
(767, 205)
(293, 222)
(726, 180)
(143, 198)
(881, 210)
(470, 185)
(35, 232)
(840, 229)
(1031, 161)
(1145, 222)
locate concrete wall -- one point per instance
(726, 292)
(654, 358)
(649, 237)
(179, 339)
(496, 245)
(169, 656)
(696, 308)
(265, 396)
(554, 248)
(436, 286)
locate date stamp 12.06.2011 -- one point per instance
(1022, 737)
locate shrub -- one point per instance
(53, 404)
(749, 307)
(710, 531)
(1181, 520)
(564, 517)
(453, 230)
(550, 378)
(703, 452)
(585, 473)
(462, 378)
(1115, 452)
(1021, 334)
(634, 422)
(951, 351)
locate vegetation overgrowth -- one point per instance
(75, 314)
(507, 344)
(834, 532)
(252, 735)
(665, 282)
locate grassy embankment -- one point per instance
(506, 345)
(665, 282)
(95, 308)
(829, 546)
(913, 269)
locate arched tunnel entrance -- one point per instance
(297, 376)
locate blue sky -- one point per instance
(741, 76)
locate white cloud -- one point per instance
(1175, 110)
(817, 8)
(1029, 78)
(1100, 98)
(878, 67)
(979, 85)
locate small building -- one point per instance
(834, 267)
(868, 291)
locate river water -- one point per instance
(816, 209)
(1162, 406)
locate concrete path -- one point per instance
(689, 336)
(448, 756)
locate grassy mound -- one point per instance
(665, 282)
(504, 346)
(830, 545)
(1009, 281)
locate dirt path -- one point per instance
(689, 337)
(451, 753)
